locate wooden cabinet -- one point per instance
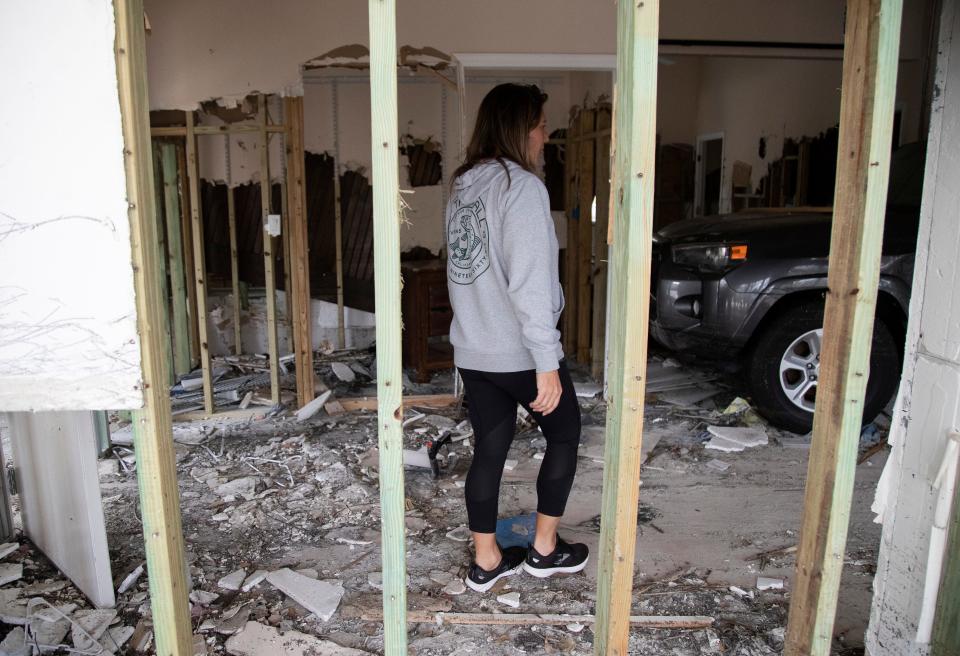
(426, 318)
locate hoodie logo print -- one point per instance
(468, 241)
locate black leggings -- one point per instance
(493, 399)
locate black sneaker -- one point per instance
(482, 580)
(565, 559)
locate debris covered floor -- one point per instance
(281, 519)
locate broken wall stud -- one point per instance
(268, 259)
(234, 262)
(386, 194)
(156, 466)
(630, 268)
(871, 45)
(199, 263)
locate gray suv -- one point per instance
(747, 289)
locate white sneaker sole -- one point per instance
(483, 587)
(546, 573)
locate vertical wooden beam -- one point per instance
(871, 45)
(178, 289)
(386, 222)
(156, 466)
(199, 263)
(186, 232)
(285, 237)
(299, 296)
(599, 272)
(234, 259)
(636, 100)
(571, 258)
(268, 260)
(585, 234)
(161, 261)
(338, 236)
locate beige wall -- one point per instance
(228, 48)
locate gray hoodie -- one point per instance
(502, 271)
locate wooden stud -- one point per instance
(161, 261)
(338, 236)
(156, 466)
(268, 261)
(234, 269)
(386, 221)
(585, 235)
(299, 296)
(186, 232)
(178, 283)
(571, 257)
(199, 263)
(629, 295)
(600, 254)
(285, 238)
(203, 130)
(868, 88)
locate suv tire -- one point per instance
(791, 329)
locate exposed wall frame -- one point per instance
(866, 120)
(699, 177)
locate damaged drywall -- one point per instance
(928, 407)
(360, 326)
(68, 332)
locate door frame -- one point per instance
(698, 176)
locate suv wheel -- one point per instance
(783, 368)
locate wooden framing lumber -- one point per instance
(586, 156)
(386, 224)
(546, 619)
(268, 260)
(178, 283)
(600, 254)
(161, 261)
(234, 268)
(637, 29)
(186, 232)
(370, 402)
(201, 130)
(199, 263)
(871, 45)
(338, 236)
(156, 466)
(298, 297)
(571, 260)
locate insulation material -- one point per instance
(68, 333)
(54, 455)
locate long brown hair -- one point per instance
(506, 116)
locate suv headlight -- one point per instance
(710, 258)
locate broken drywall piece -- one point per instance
(8, 548)
(511, 599)
(15, 643)
(587, 389)
(455, 587)
(459, 534)
(233, 580)
(313, 407)
(769, 583)
(419, 458)
(426, 56)
(735, 438)
(88, 626)
(10, 572)
(351, 56)
(245, 487)
(343, 372)
(203, 598)
(375, 580)
(319, 597)
(254, 580)
(260, 640)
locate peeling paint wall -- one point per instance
(68, 334)
(929, 403)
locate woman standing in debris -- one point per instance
(502, 273)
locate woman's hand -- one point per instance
(548, 392)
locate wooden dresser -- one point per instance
(426, 317)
